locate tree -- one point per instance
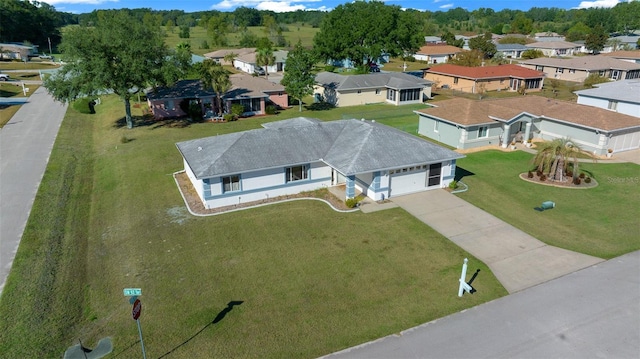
(363, 30)
(248, 39)
(298, 79)
(264, 56)
(521, 25)
(450, 39)
(184, 32)
(532, 54)
(217, 29)
(553, 158)
(471, 58)
(596, 40)
(484, 45)
(216, 78)
(119, 54)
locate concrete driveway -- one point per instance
(518, 260)
(25, 145)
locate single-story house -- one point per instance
(17, 51)
(548, 36)
(219, 55)
(511, 51)
(485, 78)
(555, 48)
(302, 154)
(390, 87)
(579, 68)
(433, 40)
(254, 93)
(624, 42)
(629, 56)
(247, 62)
(437, 53)
(464, 123)
(619, 96)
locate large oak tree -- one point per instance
(118, 54)
(363, 30)
(298, 77)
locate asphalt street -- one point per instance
(25, 145)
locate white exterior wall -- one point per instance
(263, 184)
(244, 66)
(627, 108)
(197, 184)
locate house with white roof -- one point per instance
(579, 68)
(303, 154)
(391, 87)
(620, 96)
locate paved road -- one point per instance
(592, 313)
(25, 145)
(518, 260)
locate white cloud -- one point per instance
(276, 6)
(447, 6)
(77, 2)
(597, 3)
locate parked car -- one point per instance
(259, 71)
(4, 77)
(45, 57)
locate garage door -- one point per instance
(407, 182)
(626, 142)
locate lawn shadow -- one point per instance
(461, 173)
(150, 121)
(215, 320)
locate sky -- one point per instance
(86, 6)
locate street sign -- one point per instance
(137, 309)
(130, 292)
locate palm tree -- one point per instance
(216, 78)
(553, 158)
(265, 58)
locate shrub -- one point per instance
(204, 44)
(587, 180)
(351, 202)
(582, 175)
(228, 117)
(329, 68)
(569, 173)
(543, 178)
(271, 110)
(539, 173)
(124, 139)
(453, 185)
(237, 109)
(82, 105)
(577, 181)
(530, 174)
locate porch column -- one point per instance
(527, 131)
(505, 136)
(350, 186)
(463, 138)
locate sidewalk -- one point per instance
(518, 260)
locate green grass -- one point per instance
(312, 281)
(602, 221)
(12, 90)
(18, 65)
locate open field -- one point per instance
(602, 221)
(311, 280)
(33, 65)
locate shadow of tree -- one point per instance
(150, 121)
(461, 173)
(215, 320)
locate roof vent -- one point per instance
(199, 148)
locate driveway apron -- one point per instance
(518, 260)
(25, 145)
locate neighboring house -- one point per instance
(619, 96)
(511, 51)
(303, 154)
(548, 36)
(579, 68)
(629, 56)
(485, 78)
(219, 55)
(390, 87)
(17, 51)
(555, 48)
(437, 54)
(618, 43)
(464, 123)
(247, 62)
(254, 93)
(433, 40)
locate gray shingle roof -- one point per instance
(242, 86)
(349, 146)
(394, 80)
(624, 90)
(506, 47)
(587, 63)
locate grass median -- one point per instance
(302, 280)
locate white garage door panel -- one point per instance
(626, 142)
(407, 182)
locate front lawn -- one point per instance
(602, 221)
(302, 280)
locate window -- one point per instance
(483, 131)
(436, 125)
(614, 74)
(377, 91)
(168, 105)
(572, 71)
(409, 95)
(391, 95)
(601, 73)
(613, 105)
(230, 183)
(359, 92)
(532, 83)
(560, 70)
(296, 173)
(433, 178)
(455, 80)
(539, 68)
(250, 104)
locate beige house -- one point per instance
(555, 48)
(579, 68)
(437, 53)
(219, 55)
(390, 87)
(485, 78)
(629, 56)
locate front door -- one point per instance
(433, 176)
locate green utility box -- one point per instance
(548, 205)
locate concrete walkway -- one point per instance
(592, 313)
(518, 260)
(25, 145)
